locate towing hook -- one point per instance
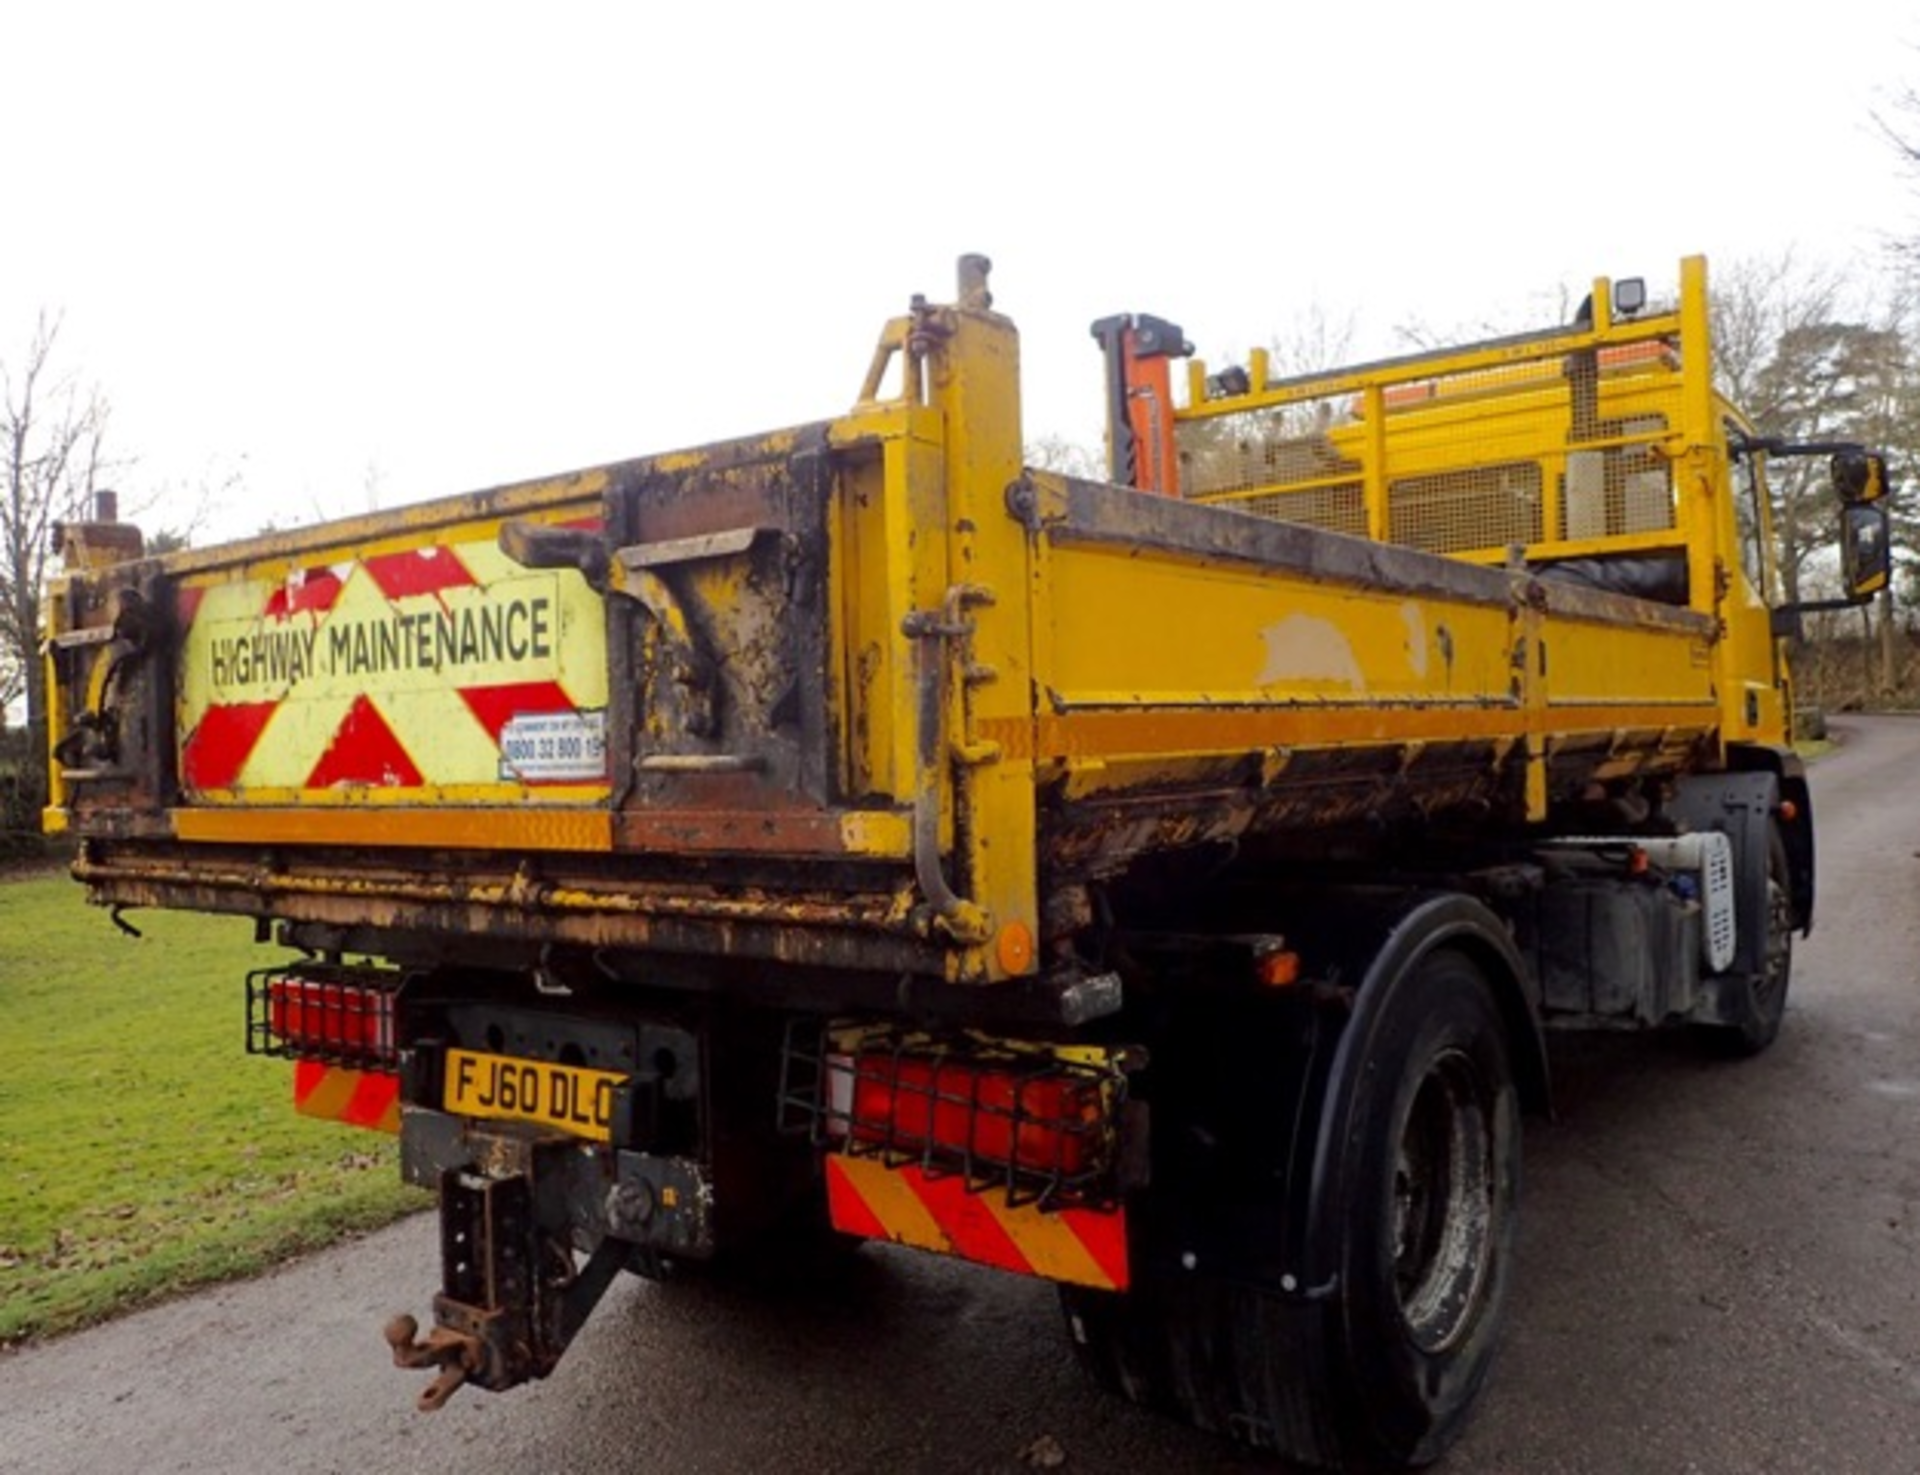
(456, 1354)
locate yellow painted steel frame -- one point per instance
(59, 706)
(1173, 644)
(1505, 403)
(934, 621)
(997, 638)
(928, 643)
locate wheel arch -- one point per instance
(1790, 774)
(1421, 925)
(1744, 805)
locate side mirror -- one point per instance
(1866, 564)
(1859, 476)
(1865, 550)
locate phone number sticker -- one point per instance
(554, 747)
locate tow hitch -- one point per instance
(457, 1356)
(533, 1229)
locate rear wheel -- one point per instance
(1430, 1201)
(1382, 1364)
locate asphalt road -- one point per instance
(1720, 1272)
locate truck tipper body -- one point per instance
(1159, 885)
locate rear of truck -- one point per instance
(847, 830)
(644, 861)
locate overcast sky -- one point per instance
(348, 253)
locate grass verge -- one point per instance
(142, 1151)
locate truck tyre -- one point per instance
(1381, 1365)
(1763, 1003)
(1430, 1191)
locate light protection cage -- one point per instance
(339, 1014)
(1039, 1124)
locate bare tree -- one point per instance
(179, 512)
(52, 432)
(1810, 357)
(1756, 302)
(1826, 381)
(1057, 453)
(1314, 342)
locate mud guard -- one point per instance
(1796, 825)
(1241, 1318)
(1742, 807)
(1411, 927)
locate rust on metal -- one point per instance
(369, 886)
(457, 1355)
(793, 831)
(452, 828)
(875, 920)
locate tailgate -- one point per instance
(645, 637)
(602, 709)
(722, 701)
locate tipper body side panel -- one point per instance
(853, 694)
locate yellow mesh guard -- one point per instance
(1474, 452)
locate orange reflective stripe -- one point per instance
(1080, 1246)
(846, 1209)
(889, 1201)
(335, 1093)
(320, 1090)
(1051, 1247)
(1104, 1236)
(971, 1227)
(375, 1103)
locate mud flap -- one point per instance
(1740, 806)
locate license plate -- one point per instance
(568, 1097)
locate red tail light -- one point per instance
(982, 1119)
(336, 1015)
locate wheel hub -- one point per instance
(1443, 1203)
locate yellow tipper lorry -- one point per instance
(1159, 886)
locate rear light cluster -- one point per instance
(1038, 1123)
(328, 1012)
(1019, 1117)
